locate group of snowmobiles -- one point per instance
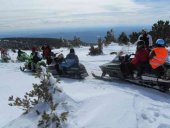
(111, 71)
(76, 71)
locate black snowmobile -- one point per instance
(112, 71)
(74, 72)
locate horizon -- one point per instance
(88, 34)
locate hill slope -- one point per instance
(98, 104)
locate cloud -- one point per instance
(19, 14)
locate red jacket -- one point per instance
(46, 52)
(141, 56)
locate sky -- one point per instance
(32, 14)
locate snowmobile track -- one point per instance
(136, 82)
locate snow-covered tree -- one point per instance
(47, 93)
(97, 50)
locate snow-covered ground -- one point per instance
(98, 104)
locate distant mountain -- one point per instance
(89, 35)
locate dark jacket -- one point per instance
(35, 58)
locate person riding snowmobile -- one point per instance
(59, 58)
(47, 54)
(35, 60)
(70, 60)
(4, 55)
(46, 51)
(147, 38)
(139, 62)
(158, 57)
(33, 63)
(72, 56)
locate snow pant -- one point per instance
(160, 71)
(127, 68)
(49, 60)
(33, 67)
(59, 71)
(142, 67)
(67, 64)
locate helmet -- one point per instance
(144, 31)
(59, 56)
(140, 44)
(72, 50)
(160, 42)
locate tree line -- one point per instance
(161, 29)
(27, 43)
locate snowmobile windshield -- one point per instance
(123, 57)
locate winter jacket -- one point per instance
(161, 53)
(72, 56)
(46, 52)
(35, 58)
(141, 56)
(70, 60)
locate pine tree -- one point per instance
(45, 93)
(133, 37)
(100, 45)
(76, 41)
(109, 37)
(123, 39)
(96, 50)
(161, 29)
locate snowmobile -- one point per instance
(74, 72)
(23, 57)
(112, 71)
(30, 66)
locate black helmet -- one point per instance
(140, 44)
(144, 31)
(72, 50)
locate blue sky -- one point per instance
(33, 14)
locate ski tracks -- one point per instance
(150, 115)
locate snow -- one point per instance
(12, 82)
(91, 103)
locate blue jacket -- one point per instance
(70, 60)
(73, 56)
